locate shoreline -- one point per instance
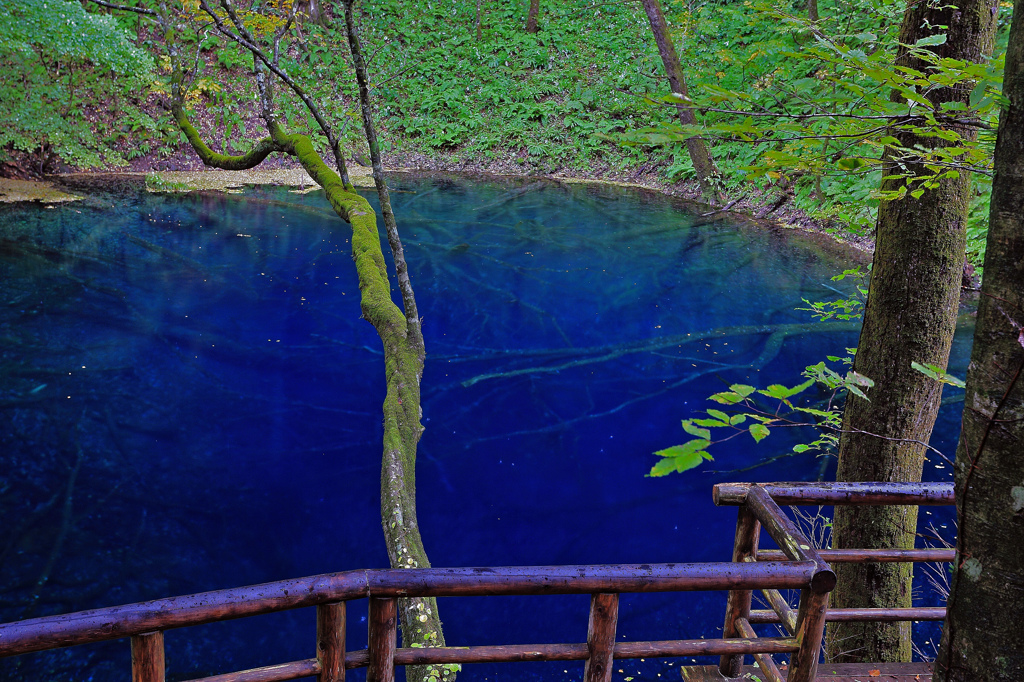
(65, 187)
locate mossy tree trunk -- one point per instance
(703, 165)
(982, 635)
(421, 624)
(910, 316)
(398, 328)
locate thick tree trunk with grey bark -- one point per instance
(910, 316)
(703, 164)
(982, 635)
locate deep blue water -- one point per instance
(189, 401)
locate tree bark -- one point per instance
(703, 164)
(812, 10)
(981, 639)
(910, 316)
(421, 624)
(531, 17)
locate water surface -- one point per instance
(189, 400)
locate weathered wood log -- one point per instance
(786, 614)
(839, 493)
(271, 673)
(764, 661)
(748, 534)
(383, 626)
(604, 618)
(98, 625)
(579, 652)
(330, 642)
(810, 627)
(789, 538)
(148, 657)
(869, 555)
(933, 613)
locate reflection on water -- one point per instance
(189, 401)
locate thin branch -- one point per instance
(125, 8)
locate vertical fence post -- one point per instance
(383, 637)
(748, 534)
(604, 618)
(810, 627)
(330, 642)
(148, 657)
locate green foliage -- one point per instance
(804, 107)
(938, 374)
(751, 414)
(61, 70)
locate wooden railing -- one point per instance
(797, 566)
(759, 508)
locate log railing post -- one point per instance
(383, 627)
(810, 627)
(330, 642)
(604, 618)
(148, 657)
(748, 533)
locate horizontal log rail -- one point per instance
(797, 565)
(861, 615)
(917, 494)
(116, 622)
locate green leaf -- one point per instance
(938, 374)
(937, 39)
(695, 430)
(851, 163)
(718, 414)
(742, 389)
(728, 398)
(759, 432)
(707, 422)
(737, 419)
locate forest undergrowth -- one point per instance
(459, 85)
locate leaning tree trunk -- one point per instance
(421, 624)
(703, 164)
(982, 636)
(910, 316)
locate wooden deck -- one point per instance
(842, 672)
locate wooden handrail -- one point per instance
(97, 625)
(917, 494)
(798, 565)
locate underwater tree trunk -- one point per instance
(421, 624)
(981, 639)
(704, 166)
(910, 316)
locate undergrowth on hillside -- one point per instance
(462, 81)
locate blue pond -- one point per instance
(189, 400)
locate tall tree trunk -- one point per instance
(982, 636)
(421, 624)
(703, 164)
(531, 17)
(812, 10)
(910, 316)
